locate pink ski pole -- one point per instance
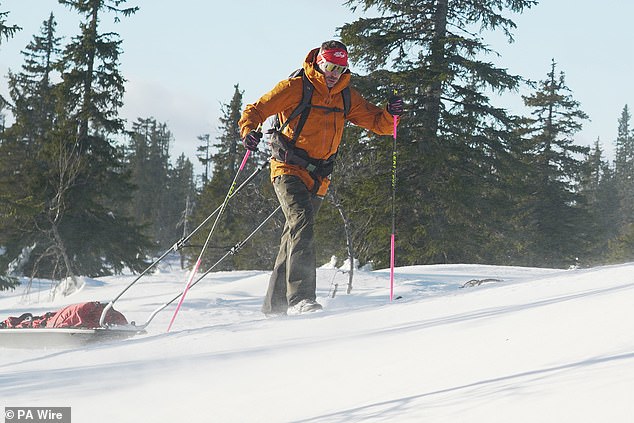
(193, 272)
(393, 211)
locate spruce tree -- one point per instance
(557, 220)
(456, 158)
(24, 158)
(91, 186)
(621, 247)
(204, 156)
(32, 90)
(93, 89)
(180, 201)
(624, 167)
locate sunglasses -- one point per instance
(331, 67)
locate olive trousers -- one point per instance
(294, 276)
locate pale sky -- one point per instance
(182, 59)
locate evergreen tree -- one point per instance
(92, 88)
(621, 247)
(556, 214)
(92, 187)
(24, 184)
(91, 77)
(31, 90)
(624, 167)
(204, 156)
(456, 158)
(181, 200)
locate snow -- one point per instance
(538, 345)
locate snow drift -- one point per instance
(538, 345)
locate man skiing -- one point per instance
(303, 152)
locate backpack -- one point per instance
(303, 108)
(284, 149)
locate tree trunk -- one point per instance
(346, 224)
(69, 273)
(437, 68)
(87, 99)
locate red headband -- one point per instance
(338, 56)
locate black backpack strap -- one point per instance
(303, 108)
(346, 101)
(307, 96)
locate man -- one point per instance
(303, 157)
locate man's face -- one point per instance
(332, 72)
(331, 76)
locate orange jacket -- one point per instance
(321, 134)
